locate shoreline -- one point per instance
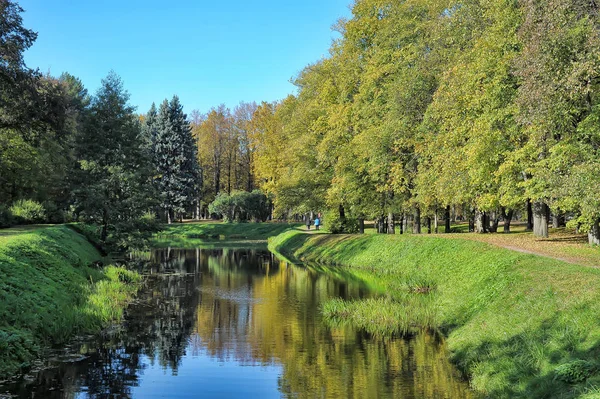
(513, 321)
(52, 291)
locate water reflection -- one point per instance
(237, 323)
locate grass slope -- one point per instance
(48, 293)
(519, 325)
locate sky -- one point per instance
(206, 52)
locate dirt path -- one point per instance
(563, 245)
(526, 251)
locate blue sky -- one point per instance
(207, 52)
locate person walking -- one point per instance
(317, 223)
(308, 222)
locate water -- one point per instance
(240, 324)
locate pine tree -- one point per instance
(175, 159)
(149, 125)
(112, 184)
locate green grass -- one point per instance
(216, 234)
(513, 321)
(48, 292)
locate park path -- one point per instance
(562, 245)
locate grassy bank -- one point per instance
(188, 235)
(518, 325)
(49, 292)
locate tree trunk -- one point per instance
(169, 220)
(428, 223)
(481, 222)
(540, 219)
(529, 216)
(417, 222)
(391, 225)
(494, 220)
(250, 185)
(435, 222)
(229, 176)
(558, 219)
(555, 222)
(361, 226)
(507, 219)
(381, 225)
(405, 223)
(401, 224)
(594, 233)
(104, 233)
(447, 220)
(472, 217)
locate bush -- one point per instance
(54, 214)
(241, 206)
(28, 212)
(336, 225)
(576, 371)
(6, 217)
(132, 234)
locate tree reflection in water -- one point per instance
(243, 307)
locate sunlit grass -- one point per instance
(511, 318)
(48, 292)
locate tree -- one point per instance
(17, 82)
(174, 150)
(113, 183)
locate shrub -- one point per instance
(336, 225)
(28, 212)
(576, 371)
(6, 217)
(132, 234)
(54, 214)
(241, 206)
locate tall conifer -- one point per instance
(175, 159)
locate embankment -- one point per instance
(50, 291)
(518, 325)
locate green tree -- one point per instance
(175, 159)
(114, 179)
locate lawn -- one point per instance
(50, 291)
(519, 325)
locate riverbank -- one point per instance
(518, 325)
(218, 234)
(50, 290)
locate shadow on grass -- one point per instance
(528, 362)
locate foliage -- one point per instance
(28, 212)
(133, 234)
(49, 292)
(336, 225)
(54, 214)
(241, 206)
(6, 217)
(174, 155)
(114, 181)
(224, 151)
